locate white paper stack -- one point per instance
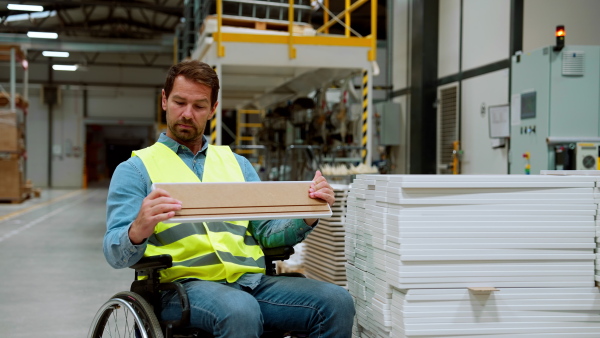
(366, 254)
(324, 256)
(596, 175)
(440, 232)
(507, 312)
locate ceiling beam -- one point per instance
(155, 46)
(70, 4)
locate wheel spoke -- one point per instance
(126, 315)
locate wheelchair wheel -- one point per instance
(126, 314)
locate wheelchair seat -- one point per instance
(138, 307)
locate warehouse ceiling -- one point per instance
(88, 28)
(130, 33)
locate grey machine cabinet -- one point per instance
(555, 108)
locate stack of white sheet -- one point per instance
(596, 175)
(324, 257)
(439, 232)
(507, 312)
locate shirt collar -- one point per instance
(174, 145)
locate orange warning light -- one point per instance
(560, 38)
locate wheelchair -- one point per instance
(133, 313)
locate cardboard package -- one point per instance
(11, 178)
(244, 201)
(11, 139)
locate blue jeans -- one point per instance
(278, 303)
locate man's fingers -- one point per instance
(163, 216)
(157, 193)
(165, 207)
(320, 188)
(161, 196)
(317, 175)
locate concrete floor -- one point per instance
(53, 273)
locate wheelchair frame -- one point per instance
(143, 300)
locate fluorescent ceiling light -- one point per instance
(42, 35)
(50, 54)
(29, 16)
(70, 68)
(19, 7)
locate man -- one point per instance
(220, 264)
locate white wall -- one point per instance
(122, 103)
(400, 38)
(68, 140)
(486, 31)
(400, 54)
(479, 157)
(37, 131)
(580, 18)
(485, 40)
(448, 38)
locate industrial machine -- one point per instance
(555, 109)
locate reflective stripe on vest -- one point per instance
(216, 251)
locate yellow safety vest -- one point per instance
(215, 251)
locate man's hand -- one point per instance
(158, 206)
(320, 188)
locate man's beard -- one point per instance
(187, 134)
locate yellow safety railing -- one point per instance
(242, 123)
(328, 40)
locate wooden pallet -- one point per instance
(15, 200)
(27, 192)
(254, 23)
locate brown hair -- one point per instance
(194, 70)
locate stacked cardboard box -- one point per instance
(477, 239)
(324, 256)
(12, 161)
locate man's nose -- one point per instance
(188, 111)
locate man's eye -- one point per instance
(178, 103)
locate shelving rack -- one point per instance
(12, 132)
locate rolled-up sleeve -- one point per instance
(279, 232)
(128, 188)
(274, 233)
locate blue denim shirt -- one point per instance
(130, 184)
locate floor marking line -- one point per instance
(33, 207)
(40, 219)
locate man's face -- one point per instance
(188, 109)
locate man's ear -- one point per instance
(214, 111)
(164, 100)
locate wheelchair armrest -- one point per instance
(153, 262)
(278, 254)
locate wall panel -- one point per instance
(400, 59)
(122, 103)
(485, 32)
(68, 140)
(449, 38)
(479, 156)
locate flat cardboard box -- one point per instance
(11, 178)
(244, 201)
(11, 139)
